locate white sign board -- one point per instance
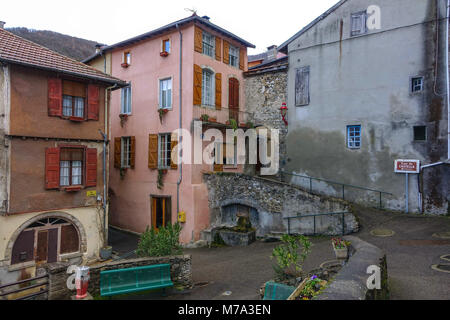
(407, 166)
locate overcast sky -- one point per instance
(262, 22)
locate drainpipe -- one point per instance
(105, 142)
(180, 166)
(448, 78)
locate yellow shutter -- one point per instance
(153, 151)
(226, 52)
(117, 152)
(218, 91)
(198, 40)
(218, 49)
(197, 85)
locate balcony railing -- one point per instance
(222, 116)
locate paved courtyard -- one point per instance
(242, 270)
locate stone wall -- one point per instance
(180, 271)
(273, 202)
(264, 94)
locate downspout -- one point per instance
(105, 142)
(180, 165)
(448, 78)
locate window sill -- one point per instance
(20, 266)
(72, 189)
(68, 256)
(164, 54)
(124, 65)
(76, 119)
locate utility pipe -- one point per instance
(448, 78)
(180, 90)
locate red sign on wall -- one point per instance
(407, 166)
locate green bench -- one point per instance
(124, 281)
(277, 291)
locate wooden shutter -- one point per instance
(117, 152)
(197, 85)
(93, 102)
(218, 91)
(173, 144)
(302, 86)
(132, 152)
(233, 92)
(23, 248)
(54, 97)
(52, 168)
(69, 240)
(242, 54)
(153, 151)
(198, 40)
(218, 49)
(226, 52)
(91, 167)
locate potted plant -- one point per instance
(162, 112)
(250, 125)
(123, 119)
(340, 248)
(164, 54)
(204, 117)
(212, 119)
(124, 65)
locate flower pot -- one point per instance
(124, 65)
(164, 54)
(341, 253)
(105, 253)
(212, 120)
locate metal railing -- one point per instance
(221, 116)
(342, 186)
(317, 215)
(4, 293)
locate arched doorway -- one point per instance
(45, 241)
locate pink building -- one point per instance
(147, 188)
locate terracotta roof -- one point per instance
(17, 50)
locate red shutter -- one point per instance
(91, 167)
(52, 168)
(93, 102)
(54, 97)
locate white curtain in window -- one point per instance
(76, 172)
(166, 93)
(67, 106)
(64, 173)
(79, 107)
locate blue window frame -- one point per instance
(354, 137)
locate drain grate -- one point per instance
(382, 232)
(442, 235)
(441, 267)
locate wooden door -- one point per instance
(233, 98)
(161, 212)
(42, 247)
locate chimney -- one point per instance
(272, 52)
(98, 48)
(2, 24)
(206, 18)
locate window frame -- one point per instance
(163, 48)
(412, 86)
(352, 144)
(414, 134)
(212, 87)
(211, 45)
(364, 29)
(125, 162)
(83, 167)
(73, 107)
(160, 82)
(128, 102)
(127, 57)
(164, 163)
(235, 57)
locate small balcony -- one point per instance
(223, 116)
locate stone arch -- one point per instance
(56, 214)
(243, 202)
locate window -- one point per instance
(230, 160)
(126, 152)
(126, 100)
(208, 44)
(166, 46)
(208, 90)
(71, 167)
(302, 87)
(234, 56)
(358, 23)
(164, 151)
(354, 137)
(420, 133)
(73, 106)
(127, 57)
(161, 212)
(416, 84)
(165, 94)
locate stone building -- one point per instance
(53, 204)
(366, 86)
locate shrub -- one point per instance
(288, 257)
(161, 243)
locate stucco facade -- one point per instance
(365, 80)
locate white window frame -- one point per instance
(125, 106)
(352, 141)
(205, 96)
(412, 85)
(125, 153)
(164, 161)
(209, 42)
(161, 92)
(358, 15)
(234, 56)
